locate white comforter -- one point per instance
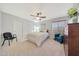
(37, 37)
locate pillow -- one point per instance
(37, 38)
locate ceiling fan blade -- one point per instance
(42, 16)
(31, 15)
(34, 15)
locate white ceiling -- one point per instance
(24, 10)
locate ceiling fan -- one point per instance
(38, 15)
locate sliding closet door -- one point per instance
(0, 29)
(18, 30)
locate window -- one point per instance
(58, 27)
(36, 28)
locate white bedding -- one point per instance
(37, 37)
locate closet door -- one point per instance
(0, 29)
(18, 30)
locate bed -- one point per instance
(37, 37)
(26, 48)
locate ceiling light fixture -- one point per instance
(38, 15)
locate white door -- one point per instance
(17, 29)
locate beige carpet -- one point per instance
(49, 48)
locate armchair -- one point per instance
(59, 38)
(8, 36)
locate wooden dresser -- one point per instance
(72, 41)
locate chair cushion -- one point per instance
(57, 35)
